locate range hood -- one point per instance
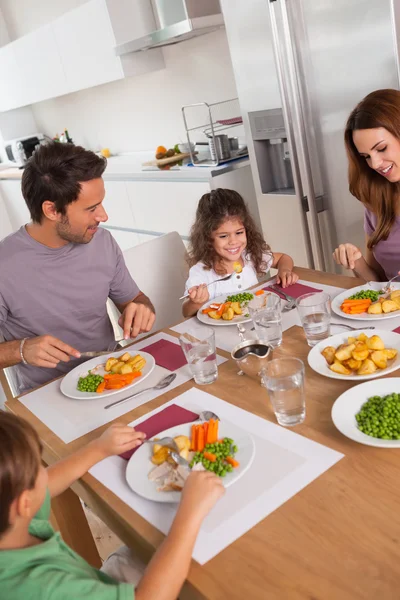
(179, 20)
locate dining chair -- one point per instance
(8, 381)
(160, 270)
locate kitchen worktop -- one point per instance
(129, 168)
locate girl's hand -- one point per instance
(117, 439)
(347, 255)
(286, 277)
(201, 491)
(199, 294)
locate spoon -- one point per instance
(163, 383)
(211, 282)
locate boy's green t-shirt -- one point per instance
(52, 571)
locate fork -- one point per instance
(387, 286)
(351, 328)
(291, 302)
(211, 282)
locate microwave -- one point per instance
(21, 149)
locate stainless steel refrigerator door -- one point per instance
(343, 51)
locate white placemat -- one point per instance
(284, 463)
(227, 338)
(70, 419)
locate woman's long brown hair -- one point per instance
(379, 109)
(213, 209)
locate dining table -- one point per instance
(337, 538)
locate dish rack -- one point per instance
(211, 120)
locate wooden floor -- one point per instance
(106, 541)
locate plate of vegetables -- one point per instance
(369, 413)
(217, 446)
(227, 310)
(368, 302)
(117, 371)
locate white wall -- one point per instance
(139, 112)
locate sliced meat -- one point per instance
(161, 472)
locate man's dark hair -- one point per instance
(54, 172)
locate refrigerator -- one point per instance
(300, 67)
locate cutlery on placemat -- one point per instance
(163, 383)
(216, 281)
(291, 302)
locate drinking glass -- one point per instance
(266, 315)
(315, 314)
(284, 380)
(198, 345)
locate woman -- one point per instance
(372, 139)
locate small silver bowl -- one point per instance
(252, 356)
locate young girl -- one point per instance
(224, 240)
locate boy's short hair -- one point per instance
(20, 451)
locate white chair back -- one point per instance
(10, 376)
(160, 270)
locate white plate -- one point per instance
(140, 465)
(374, 285)
(348, 405)
(220, 322)
(70, 381)
(319, 364)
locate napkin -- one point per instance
(397, 330)
(169, 417)
(167, 354)
(295, 290)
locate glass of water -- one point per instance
(265, 312)
(284, 380)
(198, 345)
(315, 314)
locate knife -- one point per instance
(94, 354)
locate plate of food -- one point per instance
(356, 357)
(369, 413)
(227, 309)
(218, 446)
(368, 302)
(107, 375)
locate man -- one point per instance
(57, 272)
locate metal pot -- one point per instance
(219, 147)
(252, 356)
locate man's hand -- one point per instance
(136, 318)
(47, 351)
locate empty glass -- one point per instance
(266, 315)
(284, 380)
(198, 345)
(315, 314)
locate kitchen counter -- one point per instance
(129, 168)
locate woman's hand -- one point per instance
(199, 294)
(347, 255)
(286, 277)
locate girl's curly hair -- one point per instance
(213, 209)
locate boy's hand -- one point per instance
(199, 294)
(117, 439)
(201, 491)
(286, 277)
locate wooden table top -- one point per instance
(339, 538)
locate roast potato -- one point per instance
(236, 308)
(360, 351)
(337, 367)
(353, 364)
(389, 306)
(375, 343)
(126, 369)
(214, 314)
(367, 368)
(182, 441)
(329, 354)
(116, 368)
(125, 357)
(375, 308)
(228, 314)
(362, 337)
(344, 352)
(110, 362)
(394, 294)
(379, 358)
(390, 353)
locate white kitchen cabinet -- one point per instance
(125, 239)
(117, 206)
(5, 223)
(14, 202)
(76, 51)
(39, 65)
(85, 44)
(165, 206)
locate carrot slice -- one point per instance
(259, 293)
(209, 456)
(200, 439)
(193, 439)
(210, 431)
(101, 387)
(215, 431)
(205, 427)
(205, 311)
(232, 461)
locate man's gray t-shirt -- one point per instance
(61, 292)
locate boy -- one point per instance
(35, 564)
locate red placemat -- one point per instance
(167, 354)
(296, 290)
(169, 417)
